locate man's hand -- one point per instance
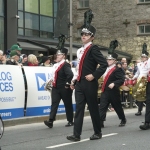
(72, 87)
(111, 85)
(66, 87)
(89, 77)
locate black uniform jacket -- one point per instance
(91, 60)
(117, 77)
(64, 76)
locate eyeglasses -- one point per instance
(85, 34)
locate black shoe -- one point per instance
(145, 126)
(69, 124)
(96, 136)
(102, 124)
(122, 123)
(48, 123)
(138, 113)
(73, 138)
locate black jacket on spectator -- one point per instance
(11, 62)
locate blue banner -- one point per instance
(45, 110)
(12, 113)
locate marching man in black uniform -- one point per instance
(146, 124)
(113, 79)
(61, 76)
(86, 79)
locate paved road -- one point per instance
(39, 137)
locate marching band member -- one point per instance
(142, 71)
(86, 78)
(113, 78)
(146, 124)
(61, 76)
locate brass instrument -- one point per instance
(100, 82)
(48, 86)
(139, 90)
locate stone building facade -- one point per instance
(128, 21)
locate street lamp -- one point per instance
(71, 26)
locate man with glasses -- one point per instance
(86, 79)
(113, 78)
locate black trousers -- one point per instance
(66, 96)
(140, 106)
(147, 115)
(86, 92)
(111, 97)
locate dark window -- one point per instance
(55, 8)
(37, 18)
(34, 33)
(83, 3)
(20, 5)
(46, 24)
(144, 29)
(21, 20)
(31, 21)
(144, 1)
(20, 31)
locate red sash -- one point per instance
(148, 79)
(56, 74)
(107, 76)
(81, 62)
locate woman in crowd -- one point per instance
(32, 60)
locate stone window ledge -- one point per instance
(144, 22)
(143, 34)
(84, 8)
(143, 3)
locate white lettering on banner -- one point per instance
(61, 109)
(5, 82)
(43, 97)
(49, 76)
(46, 110)
(7, 99)
(6, 114)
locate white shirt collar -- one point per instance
(86, 45)
(111, 66)
(61, 61)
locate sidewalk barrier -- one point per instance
(13, 101)
(12, 92)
